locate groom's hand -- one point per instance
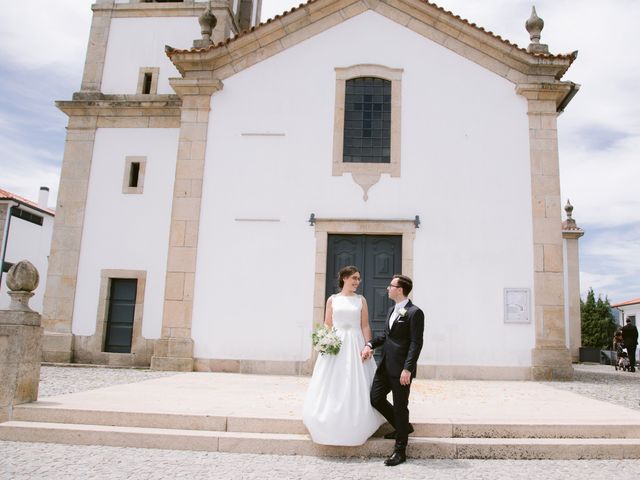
(405, 377)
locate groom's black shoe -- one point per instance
(396, 458)
(392, 435)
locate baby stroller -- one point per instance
(623, 362)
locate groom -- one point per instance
(402, 342)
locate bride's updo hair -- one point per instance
(346, 272)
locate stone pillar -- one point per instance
(97, 47)
(570, 234)
(20, 341)
(550, 358)
(62, 274)
(174, 351)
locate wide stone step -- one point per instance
(37, 413)
(158, 420)
(298, 444)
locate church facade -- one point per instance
(218, 172)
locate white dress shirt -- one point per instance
(394, 315)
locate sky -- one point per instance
(44, 45)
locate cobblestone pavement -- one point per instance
(61, 380)
(22, 461)
(603, 382)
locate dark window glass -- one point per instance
(134, 174)
(146, 83)
(26, 216)
(367, 120)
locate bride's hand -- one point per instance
(366, 353)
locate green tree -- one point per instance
(598, 323)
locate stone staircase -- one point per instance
(287, 436)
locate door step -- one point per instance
(301, 444)
(36, 412)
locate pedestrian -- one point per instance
(630, 338)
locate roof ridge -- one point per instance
(6, 194)
(628, 302)
(427, 2)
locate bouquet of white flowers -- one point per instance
(326, 340)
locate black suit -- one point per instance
(630, 339)
(401, 349)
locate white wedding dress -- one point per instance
(337, 409)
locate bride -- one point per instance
(337, 409)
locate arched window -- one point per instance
(367, 120)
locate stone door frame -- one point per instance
(326, 226)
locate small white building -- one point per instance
(629, 309)
(211, 189)
(26, 229)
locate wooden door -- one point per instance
(122, 301)
(378, 257)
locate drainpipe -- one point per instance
(6, 237)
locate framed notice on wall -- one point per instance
(517, 305)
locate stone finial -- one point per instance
(207, 23)
(569, 227)
(568, 208)
(22, 280)
(534, 26)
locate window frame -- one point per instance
(142, 166)
(368, 131)
(153, 87)
(394, 75)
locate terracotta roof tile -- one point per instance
(627, 303)
(570, 56)
(6, 195)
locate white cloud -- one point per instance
(600, 283)
(603, 185)
(49, 33)
(25, 168)
(610, 261)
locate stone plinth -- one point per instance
(57, 347)
(20, 345)
(173, 354)
(551, 363)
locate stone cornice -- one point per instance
(195, 86)
(473, 43)
(559, 92)
(188, 8)
(114, 110)
(572, 233)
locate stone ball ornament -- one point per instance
(23, 277)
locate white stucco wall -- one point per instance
(126, 231)
(465, 171)
(628, 311)
(28, 241)
(139, 42)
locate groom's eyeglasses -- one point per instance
(391, 285)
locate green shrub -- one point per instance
(598, 323)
